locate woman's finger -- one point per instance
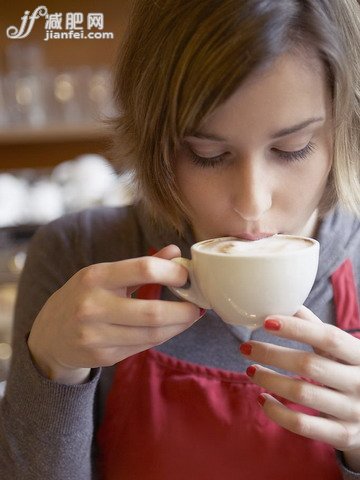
(108, 308)
(306, 314)
(133, 272)
(113, 336)
(305, 364)
(169, 252)
(305, 328)
(325, 400)
(340, 435)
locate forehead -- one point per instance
(291, 90)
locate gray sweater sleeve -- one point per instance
(46, 429)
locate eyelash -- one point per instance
(298, 155)
(287, 156)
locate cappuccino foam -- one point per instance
(269, 245)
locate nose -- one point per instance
(252, 194)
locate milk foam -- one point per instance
(269, 245)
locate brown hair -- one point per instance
(183, 58)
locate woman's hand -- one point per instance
(92, 320)
(334, 366)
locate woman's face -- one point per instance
(259, 164)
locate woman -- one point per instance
(237, 118)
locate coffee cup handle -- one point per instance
(191, 292)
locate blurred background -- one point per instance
(54, 97)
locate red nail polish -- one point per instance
(272, 325)
(202, 312)
(250, 371)
(245, 349)
(261, 400)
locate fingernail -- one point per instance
(202, 312)
(261, 400)
(245, 349)
(272, 324)
(250, 371)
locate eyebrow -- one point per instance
(296, 128)
(281, 133)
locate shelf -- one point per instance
(54, 133)
(44, 150)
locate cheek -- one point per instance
(194, 186)
(311, 184)
(184, 179)
(316, 171)
(320, 172)
(197, 195)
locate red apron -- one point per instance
(171, 419)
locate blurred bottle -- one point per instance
(24, 84)
(4, 119)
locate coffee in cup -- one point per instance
(270, 245)
(245, 281)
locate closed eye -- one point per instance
(207, 161)
(288, 156)
(296, 155)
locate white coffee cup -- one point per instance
(244, 282)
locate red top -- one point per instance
(170, 419)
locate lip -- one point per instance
(253, 236)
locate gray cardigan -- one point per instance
(47, 429)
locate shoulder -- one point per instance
(344, 231)
(339, 235)
(93, 235)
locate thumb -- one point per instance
(306, 314)
(167, 253)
